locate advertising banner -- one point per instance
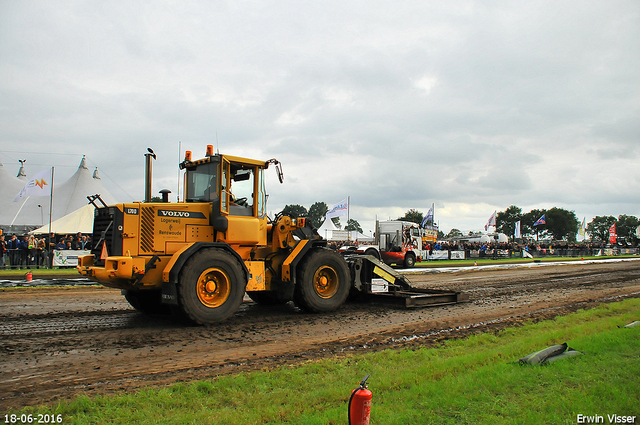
(439, 255)
(67, 257)
(457, 255)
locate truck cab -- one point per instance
(400, 242)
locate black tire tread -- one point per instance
(305, 296)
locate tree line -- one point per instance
(559, 223)
(317, 213)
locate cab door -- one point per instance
(239, 202)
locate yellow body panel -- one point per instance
(197, 233)
(246, 231)
(286, 266)
(120, 271)
(172, 261)
(164, 223)
(257, 278)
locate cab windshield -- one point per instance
(202, 183)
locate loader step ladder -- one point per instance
(379, 280)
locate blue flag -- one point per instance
(427, 218)
(540, 221)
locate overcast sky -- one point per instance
(471, 106)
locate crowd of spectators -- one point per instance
(336, 245)
(534, 248)
(511, 249)
(29, 251)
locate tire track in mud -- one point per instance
(38, 325)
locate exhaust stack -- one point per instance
(147, 174)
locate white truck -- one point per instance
(396, 242)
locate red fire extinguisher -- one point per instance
(360, 404)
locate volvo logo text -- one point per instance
(180, 214)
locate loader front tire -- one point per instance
(211, 286)
(323, 281)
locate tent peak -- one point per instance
(83, 163)
(95, 174)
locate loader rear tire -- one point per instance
(147, 302)
(211, 286)
(323, 281)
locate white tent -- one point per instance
(330, 232)
(327, 228)
(9, 188)
(68, 196)
(357, 236)
(80, 220)
(72, 194)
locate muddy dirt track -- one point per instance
(59, 342)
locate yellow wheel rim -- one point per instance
(214, 287)
(325, 282)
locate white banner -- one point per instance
(68, 257)
(339, 235)
(457, 255)
(439, 255)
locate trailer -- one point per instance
(379, 281)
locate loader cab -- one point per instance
(235, 185)
(235, 188)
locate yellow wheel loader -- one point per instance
(198, 257)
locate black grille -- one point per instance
(147, 223)
(105, 229)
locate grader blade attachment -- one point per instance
(373, 277)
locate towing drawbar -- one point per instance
(373, 277)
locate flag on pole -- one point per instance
(613, 237)
(491, 222)
(427, 218)
(582, 231)
(339, 209)
(39, 185)
(541, 220)
(517, 230)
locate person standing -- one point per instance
(3, 251)
(41, 252)
(13, 246)
(24, 252)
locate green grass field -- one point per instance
(468, 381)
